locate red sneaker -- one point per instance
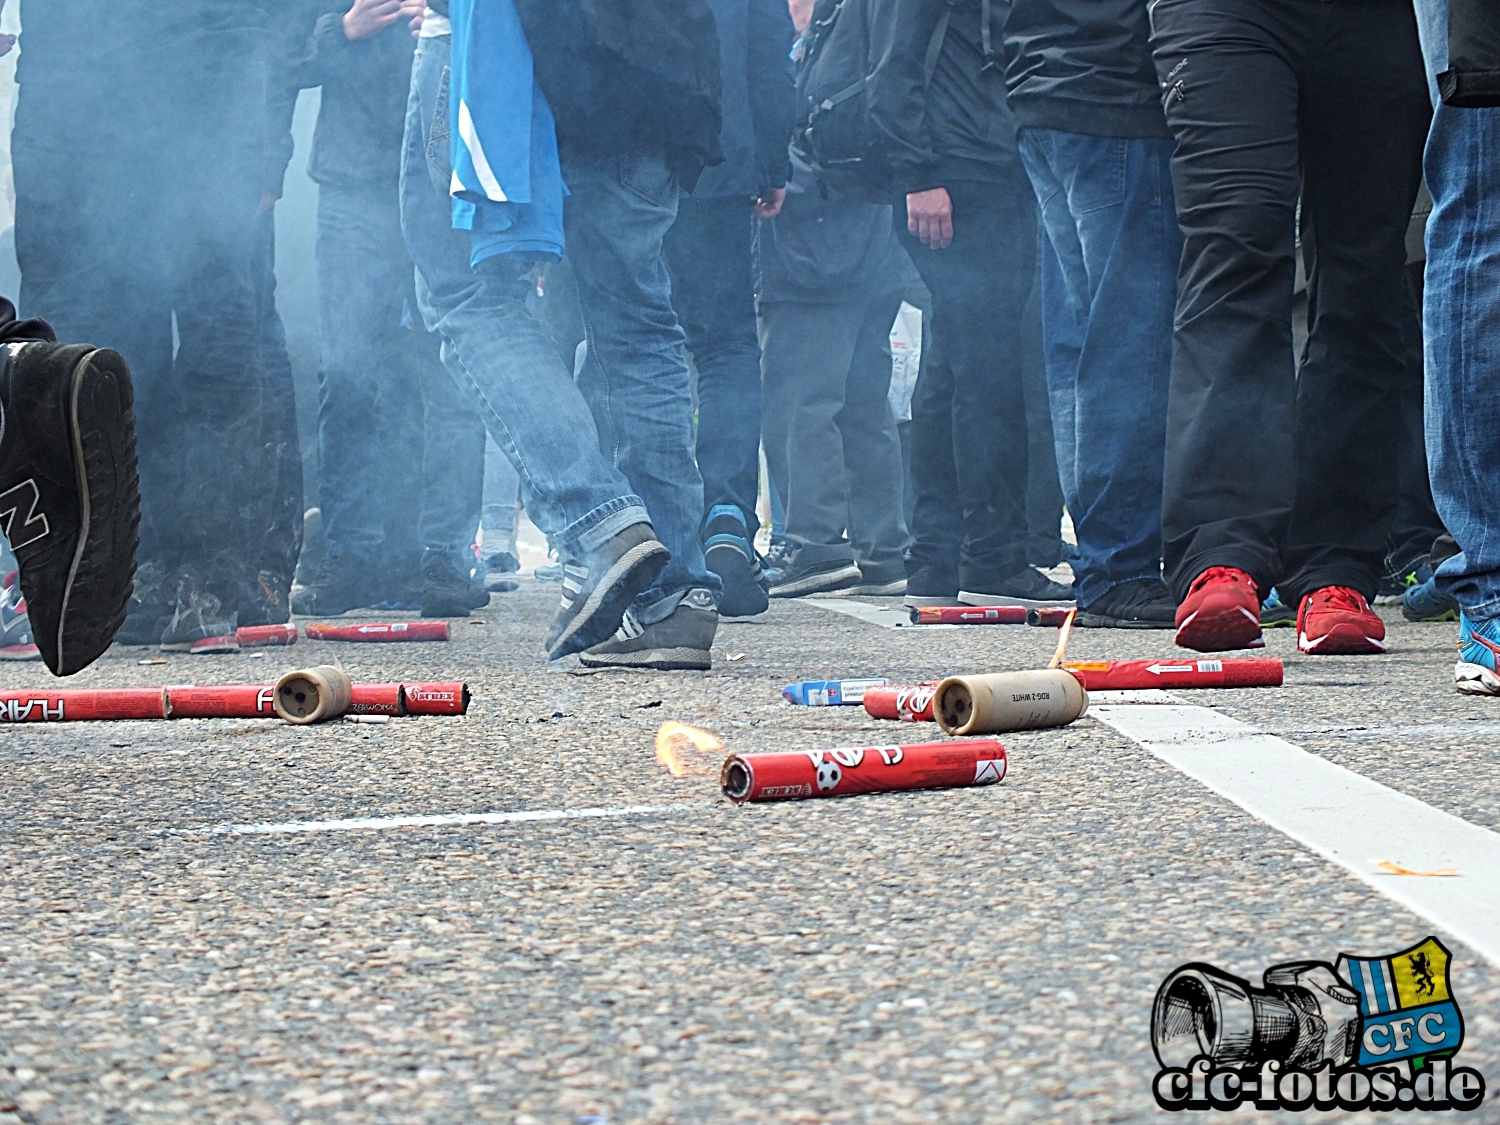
(1221, 611)
(1337, 621)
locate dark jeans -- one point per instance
(1289, 476)
(281, 457)
(1109, 267)
(396, 436)
(831, 443)
(1044, 494)
(713, 291)
(634, 376)
(969, 436)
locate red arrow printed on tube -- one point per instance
(1105, 675)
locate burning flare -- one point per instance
(677, 744)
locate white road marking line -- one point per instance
(442, 821)
(880, 615)
(1341, 815)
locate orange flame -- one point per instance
(676, 741)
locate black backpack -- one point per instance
(832, 134)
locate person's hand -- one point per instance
(267, 201)
(929, 216)
(415, 23)
(802, 11)
(768, 205)
(367, 17)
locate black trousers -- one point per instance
(1291, 477)
(969, 454)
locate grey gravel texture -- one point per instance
(982, 955)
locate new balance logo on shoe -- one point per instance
(26, 496)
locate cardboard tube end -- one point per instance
(736, 780)
(953, 706)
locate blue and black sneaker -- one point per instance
(729, 554)
(1425, 602)
(1478, 669)
(1275, 613)
(1400, 577)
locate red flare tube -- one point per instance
(908, 703)
(386, 632)
(1104, 675)
(864, 769)
(1048, 615)
(435, 699)
(226, 701)
(79, 705)
(262, 636)
(968, 615)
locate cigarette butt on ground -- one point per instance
(1396, 869)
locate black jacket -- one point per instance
(956, 128)
(755, 43)
(1472, 79)
(827, 247)
(362, 116)
(627, 74)
(1083, 66)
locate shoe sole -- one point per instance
(743, 596)
(1223, 631)
(965, 597)
(1342, 640)
(600, 615)
(918, 601)
(1288, 622)
(20, 652)
(101, 423)
(880, 589)
(1475, 679)
(657, 659)
(1446, 615)
(823, 583)
(1083, 620)
(208, 646)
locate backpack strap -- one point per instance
(939, 33)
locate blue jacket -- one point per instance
(755, 43)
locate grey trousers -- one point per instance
(830, 439)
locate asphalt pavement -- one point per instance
(973, 955)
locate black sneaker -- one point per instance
(69, 498)
(1400, 576)
(1145, 603)
(729, 554)
(497, 571)
(798, 580)
(930, 585)
(596, 593)
(881, 582)
(1027, 587)
(336, 586)
(200, 623)
(681, 641)
(446, 590)
(264, 600)
(150, 606)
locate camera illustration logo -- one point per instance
(1366, 1033)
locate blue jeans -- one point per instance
(1461, 322)
(713, 291)
(495, 348)
(1109, 287)
(634, 375)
